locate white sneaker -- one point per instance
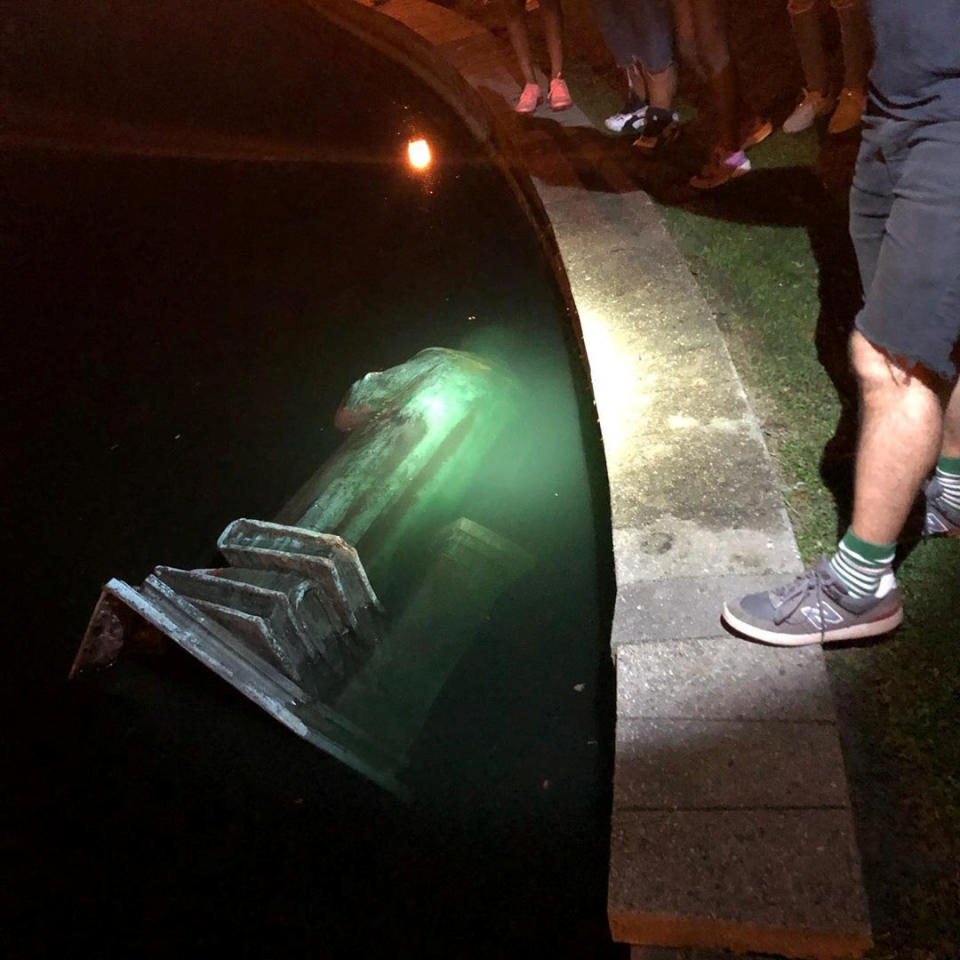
(811, 106)
(631, 113)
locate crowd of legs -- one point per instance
(905, 224)
(651, 40)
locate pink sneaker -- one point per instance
(560, 98)
(530, 98)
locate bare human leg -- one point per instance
(951, 424)
(711, 36)
(855, 40)
(686, 38)
(660, 123)
(559, 95)
(636, 81)
(900, 436)
(519, 40)
(854, 594)
(661, 87)
(553, 31)
(531, 95)
(855, 37)
(808, 36)
(943, 493)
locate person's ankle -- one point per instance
(948, 476)
(731, 158)
(861, 564)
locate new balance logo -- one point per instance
(830, 616)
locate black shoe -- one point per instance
(659, 126)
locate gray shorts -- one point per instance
(637, 31)
(905, 226)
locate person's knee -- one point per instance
(839, 5)
(876, 370)
(689, 57)
(882, 373)
(714, 54)
(661, 73)
(717, 62)
(797, 7)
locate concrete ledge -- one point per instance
(671, 546)
(700, 764)
(775, 881)
(675, 933)
(722, 678)
(681, 607)
(672, 953)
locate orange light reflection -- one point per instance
(419, 155)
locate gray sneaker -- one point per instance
(815, 608)
(941, 519)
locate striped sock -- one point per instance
(861, 565)
(948, 475)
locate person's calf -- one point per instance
(951, 421)
(942, 495)
(900, 432)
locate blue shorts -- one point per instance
(638, 31)
(905, 226)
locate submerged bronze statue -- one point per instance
(293, 621)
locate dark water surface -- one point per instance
(177, 335)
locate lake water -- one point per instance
(181, 331)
